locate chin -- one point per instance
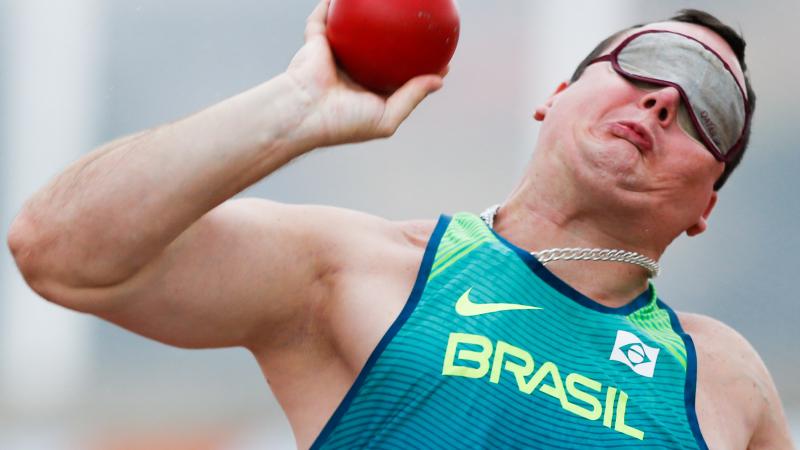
(610, 179)
(612, 161)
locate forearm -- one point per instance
(118, 207)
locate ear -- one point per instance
(702, 223)
(541, 110)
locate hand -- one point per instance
(342, 110)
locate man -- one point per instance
(464, 338)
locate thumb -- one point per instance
(400, 104)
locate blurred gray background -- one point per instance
(76, 74)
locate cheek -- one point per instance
(608, 98)
(693, 165)
(575, 107)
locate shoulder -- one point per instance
(712, 334)
(726, 360)
(732, 376)
(724, 353)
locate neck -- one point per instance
(534, 224)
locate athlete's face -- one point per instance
(623, 139)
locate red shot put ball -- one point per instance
(381, 44)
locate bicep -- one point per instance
(245, 270)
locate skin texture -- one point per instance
(155, 250)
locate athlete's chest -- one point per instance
(720, 419)
(486, 336)
(520, 356)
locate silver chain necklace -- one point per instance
(582, 254)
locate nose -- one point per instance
(663, 103)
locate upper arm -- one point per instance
(248, 271)
(731, 363)
(772, 428)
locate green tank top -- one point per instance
(494, 351)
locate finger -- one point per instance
(400, 104)
(315, 24)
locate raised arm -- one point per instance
(137, 231)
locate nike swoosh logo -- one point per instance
(465, 306)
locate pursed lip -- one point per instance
(634, 133)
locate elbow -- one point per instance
(28, 249)
(49, 271)
(22, 245)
